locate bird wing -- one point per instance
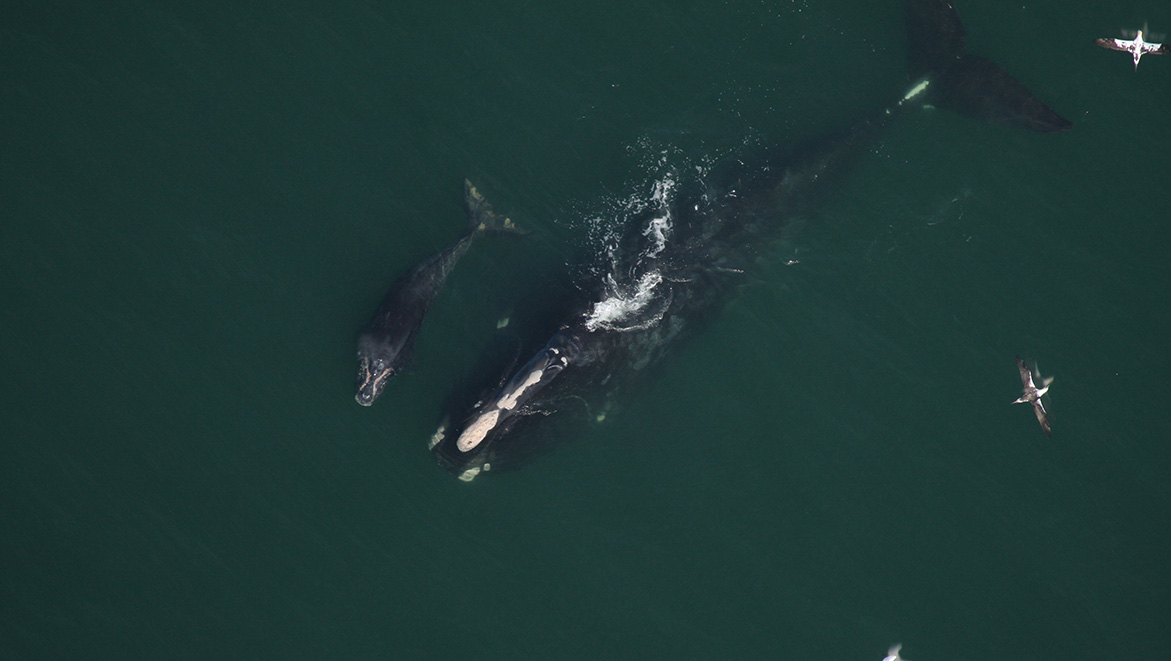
(1113, 44)
(1041, 417)
(1037, 378)
(1026, 375)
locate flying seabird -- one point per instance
(1136, 47)
(1033, 394)
(893, 654)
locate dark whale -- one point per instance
(663, 284)
(384, 345)
(965, 83)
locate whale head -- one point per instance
(377, 363)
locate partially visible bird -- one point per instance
(1033, 394)
(1136, 47)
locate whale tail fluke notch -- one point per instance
(966, 83)
(481, 217)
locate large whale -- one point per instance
(672, 272)
(384, 345)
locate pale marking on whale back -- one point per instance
(475, 433)
(508, 402)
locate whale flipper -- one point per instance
(965, 83)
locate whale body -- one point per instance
(385, 344)
(663, 286)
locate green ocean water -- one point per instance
(202, 203)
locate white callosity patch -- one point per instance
(508, 402)
(475, 432)
(437, 437)
(478, 430)
(469, 475)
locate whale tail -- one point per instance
(481, 218)
(966, 83)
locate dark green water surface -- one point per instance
(203, 202)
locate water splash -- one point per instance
(623, 311)
(633, 295)
(659, 227)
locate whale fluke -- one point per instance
(979, 88)
(965, 83)
(935, 36)
(481, 218)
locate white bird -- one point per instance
(1033, 394)
(893, 654)
(1136, 47)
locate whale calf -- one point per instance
(384, 345)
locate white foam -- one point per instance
(661, 191)
(618, 308)
(607, 230)
(659, 229)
